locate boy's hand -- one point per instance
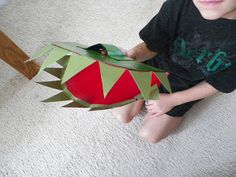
(167, 101)
(140, 52)
(161, 106)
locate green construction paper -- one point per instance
(94, 106)
(128, 64)
(52, 84)
(65, 54)
(112, 51)
(154, 95)
(72, 97)
(74, 105)
(115, 52)
(134, 65)
(59, 97)
(73, 46)
(57, 72)
(76, 64)
(140, 96)
(54, 55)
(103, 107)
(41, 52)
(110, 76)
(63, 61)
(164, 80)
(143, 80)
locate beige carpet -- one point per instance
(44, 140)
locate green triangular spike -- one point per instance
(59, 97)
(109, 75)
(154, 95)
(98, 108)
(103, 107)
(41, 52)
(76, 64)
(57, 72)
(143, 81)
(164, 80)
(52, 84)
(74, 105)
(55, 55)
(63, 61)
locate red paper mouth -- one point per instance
(91, 89)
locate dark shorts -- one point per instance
(177, 84)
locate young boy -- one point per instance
(195, 42)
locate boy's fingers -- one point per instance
(131, 54)
(147, 102)
(156, 114)
(123, 50)
(148, 106)
(152, 101)
(152, 111)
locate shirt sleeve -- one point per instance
(224, 81)
(156, 33)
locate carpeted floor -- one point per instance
(44, 140)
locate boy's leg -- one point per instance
(126, 113)
(157, 128)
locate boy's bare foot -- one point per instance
(157, 128)
(126, 113)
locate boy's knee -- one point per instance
(126, 113)
(121, 117)
(148, 136)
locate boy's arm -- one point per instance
(199, 91)
(140, 52)
(168, 101)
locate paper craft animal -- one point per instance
(100, 76)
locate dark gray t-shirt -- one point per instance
(191, 47)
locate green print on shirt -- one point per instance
(210, 62)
